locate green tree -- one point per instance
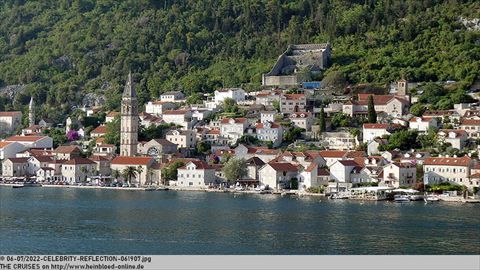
(170, 172)
(128, 173)
(322, 120)
(417, 109)
(235, 169)
(112, 135)
(58, 136)
(372, 114)
(334, 79)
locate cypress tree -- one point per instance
(322, 120)
(372, 114)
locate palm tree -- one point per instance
(116, 174)
(129, 173)
(139, 171)
(150, 172)
(84, 170)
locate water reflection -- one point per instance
(102, 221)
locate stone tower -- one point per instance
(402, 87)
(31, 113)
(129, 121)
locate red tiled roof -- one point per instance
(214, 131)
(375, 126)
(175, 112)
(113, 114)
(470, 122)
(79, 161)
(67, 149)
(100, 130)
(349, 163)
(332, 153)
(458, 132)
(237, 120)
(272, 125)
(18, 138)
(311, 167)
(124, 160)
(10, 114)
(450, 161)
(322, 172)
(421, 119)
(43, 158)
(200, 165)
(283, 166)
(3, 144)
(377, 99)
(294, 96)
(19, 160)
(299, 115)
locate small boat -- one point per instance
(266, 191)
(430, 198)
(401, 198)
(239, 188)
(18, 186)
(338, 196)
(416, 197)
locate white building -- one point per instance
(372, 131)
(341, 170)
(392, 105)
(143, 164)
(233, 128)
(10, 121)
(182, 138)
(268, 131)
(278, 175)
(158, 107)
(10, 149)
(179, 117)
(172, 96)
(302, 120)
(237, 94)
(290, 103)
(32, 141)
(456, 137)
(339, 140)
(195, 173)
(422, 124)
(398, 174)
(455, 170)
(77, 170)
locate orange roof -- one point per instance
(375, 126)
(176, 112)
(447, 161)
(3, 144)
(377, 99)
(294, 96)
(470, 122)
(332, 153)
(18, 138)
(79, 161)
(312, 167)
(124, 160)
(113, 114)
(67, 149)
(10, 114)
(272, 125)
(237, 120)
(283, 166)
(213, 131)
(100, 130)
(422, 119)
(200, 165)
(299, 115)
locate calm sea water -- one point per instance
(79, 221)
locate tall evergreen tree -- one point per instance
(372, 114)
(322, 120)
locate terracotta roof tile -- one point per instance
(124, 160)
(450, 161)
